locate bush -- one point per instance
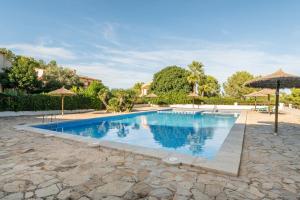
(141, 100)
(39, 102)
(122, 101)
(182, 98)
(172, 98)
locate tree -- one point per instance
(137, 88)
(104, 96)
(210, 88)
(122, 100)
(94, 88)
(171, 79)
(234, 86)
(196, 75)
(22, 74)
(56, 77)
(295, 92)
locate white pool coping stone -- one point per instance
(227, 161)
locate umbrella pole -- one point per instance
(193, 102)
(269, 104)
(276, 107)
(255, 103)
(62, 105)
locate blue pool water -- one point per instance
(198, 134)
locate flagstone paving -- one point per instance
(36, 167)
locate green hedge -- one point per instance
(38, 102)
(182, 98)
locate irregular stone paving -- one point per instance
(36, 167)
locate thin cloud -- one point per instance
(111, 76)
(109, 32)
(219, 60)
(105, 30)
(41, 51)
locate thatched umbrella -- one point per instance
(262, 93)
(62, 92)
(277, 80)
(193, 95)
(152, 95)
(255, 95)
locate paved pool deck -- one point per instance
(37, 167)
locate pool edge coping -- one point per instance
(227, 161)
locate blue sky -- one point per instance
(122, 42)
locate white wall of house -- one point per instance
(39, 72)
(144, 91)
(3, 63)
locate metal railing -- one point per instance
(52, 119)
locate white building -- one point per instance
(145, 88)
(3, 63)
(39, 73)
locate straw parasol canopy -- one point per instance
(152, 95)
(193, 95)
(270, 81)
(268, 91)
(62, 92)
(277, 80)
(256, 94)
(262, 93)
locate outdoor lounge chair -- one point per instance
(262, 109)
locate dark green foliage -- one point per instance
(182, 98)
(39, 102)
(4, 78)
(234, 86)
(172, 98)
(171, 79)
(55, 77)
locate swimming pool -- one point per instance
(193, 134)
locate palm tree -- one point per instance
(197, 75)
(104, 95)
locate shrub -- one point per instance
(122, 101)
(182, 98)
(39, 102)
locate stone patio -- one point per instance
(33, 166)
